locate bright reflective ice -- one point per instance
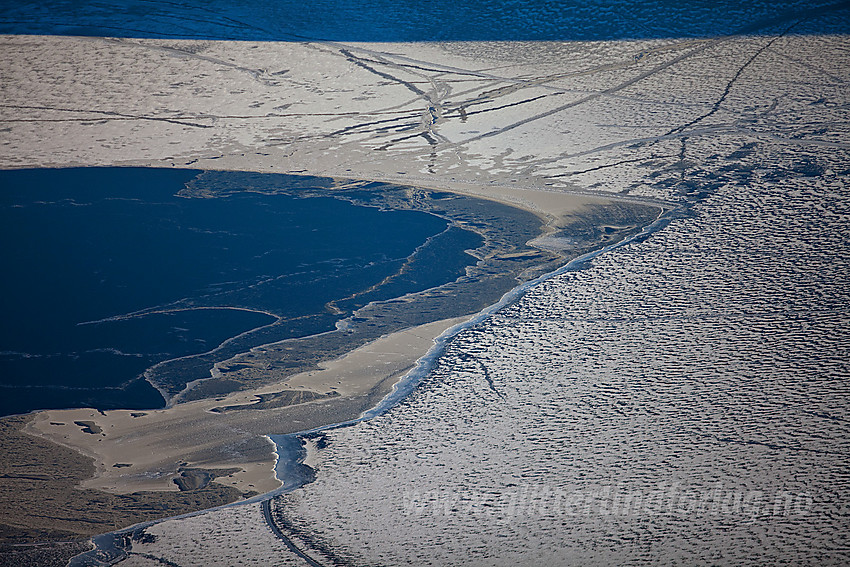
(681, 399)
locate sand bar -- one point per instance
(150, 447)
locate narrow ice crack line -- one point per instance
(420, 67)
(608, 165)
(363, 65)
(348, 129)
(256, 74)
(716, 107)
(403, 269)
(774, 446)
(463, 106)
(487, 378)
(434, 109)
(636, 142)
(705, 131)
(108, 113)
(838, 80)
(664, 66)
(591, 97)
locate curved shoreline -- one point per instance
(407, 383)
(373, 304)
(290, 467)
(146, 450)
(224, 437)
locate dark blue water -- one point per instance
(408, 20)
(107, 271)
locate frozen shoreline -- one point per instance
(425, 364)
(292, 450)
(153, 447)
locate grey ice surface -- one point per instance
(681, 400)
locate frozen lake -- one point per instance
(680, 399)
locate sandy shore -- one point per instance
(224, 439)
(227, 435)
(135, 451)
